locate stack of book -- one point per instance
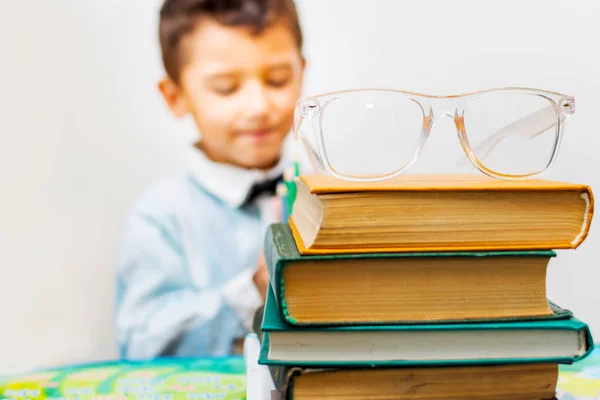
(421, 287)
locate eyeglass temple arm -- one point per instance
(313, 155)
(527, 127)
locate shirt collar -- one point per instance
(230, 183)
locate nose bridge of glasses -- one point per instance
(457, 120)
(443, 107)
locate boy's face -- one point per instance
(241, 90)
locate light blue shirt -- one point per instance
(186, 261)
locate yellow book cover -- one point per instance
(438, 213)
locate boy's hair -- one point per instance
(179, 17)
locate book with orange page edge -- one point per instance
(286, 190)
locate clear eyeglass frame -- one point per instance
(560, 106)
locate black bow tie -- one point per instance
(268, 187)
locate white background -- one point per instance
(84, 131)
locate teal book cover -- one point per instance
(273, 324)
(281, 252)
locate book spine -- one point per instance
(283, 242)
(279, 247)
(272, 258)
(271, 254)
(281, 376)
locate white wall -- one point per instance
(84, 131)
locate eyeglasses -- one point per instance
(377, 134)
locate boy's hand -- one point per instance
(277, 208)
(261, 276)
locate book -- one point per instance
(389, 288)
(494, 382)
(438, 213)
(558, 341)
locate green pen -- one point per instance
(287, 190)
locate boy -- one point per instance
(190, 268)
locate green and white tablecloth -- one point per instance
(191, 379)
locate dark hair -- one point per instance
(179, 17)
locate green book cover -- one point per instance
(273, 324)
(280, 250)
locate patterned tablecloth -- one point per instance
(178, 379)
(581, 380)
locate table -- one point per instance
(581, 380)
(215, 378)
